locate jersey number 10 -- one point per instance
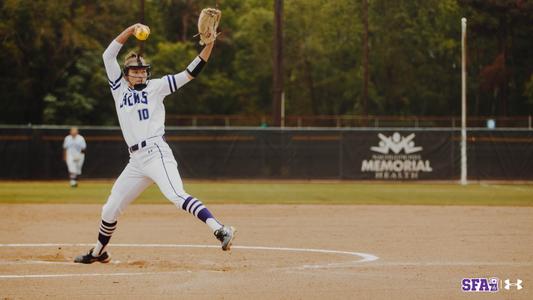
(143, 114)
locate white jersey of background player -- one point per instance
(74, 154)
(141, 113)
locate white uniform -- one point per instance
(74, 147)
(142, 119)
(141, 115)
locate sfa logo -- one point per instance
(480, 284)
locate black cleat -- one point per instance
(225, 235)
(89, 258)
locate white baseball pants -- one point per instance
(153, 163)
(75, 163)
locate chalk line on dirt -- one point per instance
(363, 257)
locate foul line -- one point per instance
(365, 257)
(88, 275)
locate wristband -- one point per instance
(196, 66)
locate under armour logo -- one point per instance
(509, 284)
(396, 143)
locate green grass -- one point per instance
(283, 193)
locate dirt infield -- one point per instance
(377, 252)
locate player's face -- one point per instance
(73, 131)
(137, 75)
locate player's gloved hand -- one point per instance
(208, 24)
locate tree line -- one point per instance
(52, 71)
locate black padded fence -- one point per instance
(268, 153)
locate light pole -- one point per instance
(277, 63)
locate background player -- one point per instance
(141, 114)
(74, 154)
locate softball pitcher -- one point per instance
(141, 114)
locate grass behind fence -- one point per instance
(283, 193)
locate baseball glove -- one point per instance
(208, 24)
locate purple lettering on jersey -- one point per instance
(144, 97)
(124, 101)
(136, 98)
(130, 99)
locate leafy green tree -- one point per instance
(415, 56)
(500, 54)
(76, 99)
(322, 58)
(253, 59)
(50, 54)
(42, 42)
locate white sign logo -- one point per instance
(509, 284)
(396, 143)
(397, 157)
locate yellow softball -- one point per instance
(142, 32)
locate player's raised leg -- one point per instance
(164, 172)
(129, 185)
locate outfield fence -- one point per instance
(35, 152)
(349, 121)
